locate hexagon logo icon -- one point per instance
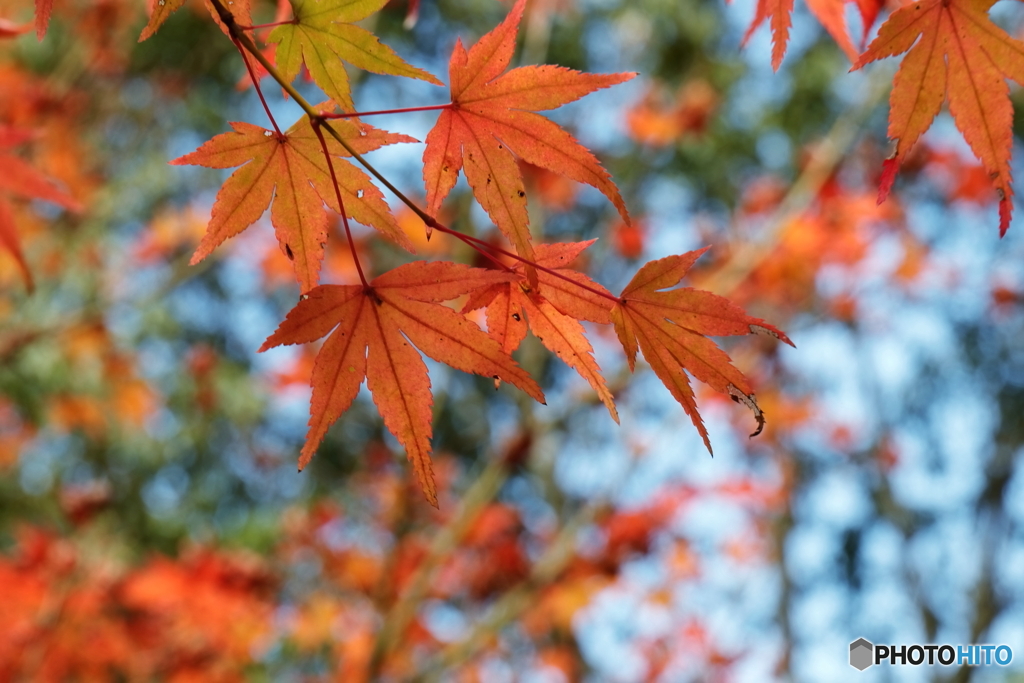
(861, 654)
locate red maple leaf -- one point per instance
(956, 53)
(161, 10)
(44, 8)
(779, 14)
(552, 310)
(373, 327)
(670, 328)
(291, 169)
(491, 123)
(830, 13)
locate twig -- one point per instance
(256, 84)
(517, 600)
(349, 115)
(481, 492)
(316, 123)
(238, 35)
(505, 252)
(255, 27)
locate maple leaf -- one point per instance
(869, 10)
(492, 122)
(291, 169)
(323, 34)
(956, 53)
(670, 328)
(44, 8)
(832, 15)
(779, 15)
(552, 310)
(161, 10)
(21, 179)
(369, 324)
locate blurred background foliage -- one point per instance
(152, 523)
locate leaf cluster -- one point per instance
(376, 329)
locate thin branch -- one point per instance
(517, 600)
(238, 35)
(830, 152)
(256, 84)
(550, 271)
(316, 123)
(481, 492)
(483, 252)
(290, 22)
(432, 107)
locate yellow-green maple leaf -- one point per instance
(323, 34)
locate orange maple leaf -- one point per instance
(369, 324)
(553, 310)
(161, 10)
(830, 13)
(956, 53)
(670, 327)
(779, 14)
(291, 169)
(44, 8)
(492, 122)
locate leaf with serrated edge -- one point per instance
(269, 172)
(364, 202)
(552, 311)
(341, 366)
(163, 9)
(565, 337)
(317, 313)
(43, 10)
(670, 328)
(324, 34)
(568, 298)
(491, 125)
(397, 379)
(668, 368)
(292, 170)
(779, 15)
(506, 321)
(956, 53)
(375, 330)
(832, 15)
